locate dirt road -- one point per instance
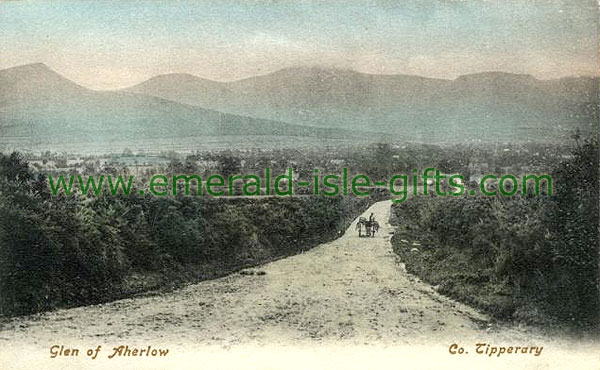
(352, 291)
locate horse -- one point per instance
(374, 228)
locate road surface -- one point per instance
(349, 292)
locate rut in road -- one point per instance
(352, 289)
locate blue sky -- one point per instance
(109, 44)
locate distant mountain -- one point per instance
(39, 104)
(492, 106)
(184, 88)
(35, 84)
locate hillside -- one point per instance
(40, 105)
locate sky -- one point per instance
(110, 44)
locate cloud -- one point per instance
(124, 44)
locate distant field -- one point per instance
(187, 144)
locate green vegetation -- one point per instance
(58, 251)
(524, 257)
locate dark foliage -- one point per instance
(58, 251)
(523, 257)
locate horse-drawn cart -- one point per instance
(369, 227)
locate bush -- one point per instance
(58, 251)
(518, 256)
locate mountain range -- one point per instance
(483, 106)
(39, 105)
(38, 101)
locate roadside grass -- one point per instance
(454, 273)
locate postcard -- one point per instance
(299, 184)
